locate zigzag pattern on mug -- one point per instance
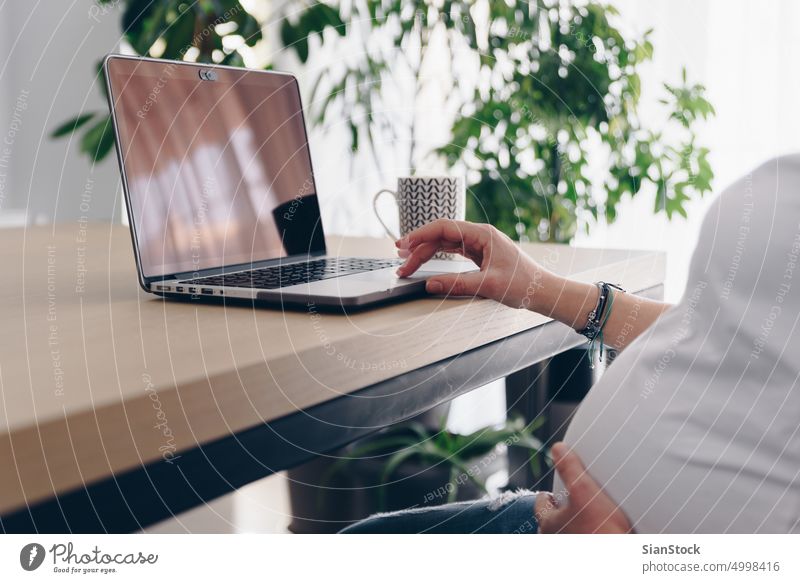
(426, 199)
(447, 206)
(422, 200)
(436, 189)
(450, 206)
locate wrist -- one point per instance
(565, 300)
(577, 301)
(543, 291)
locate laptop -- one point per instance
(221, 195)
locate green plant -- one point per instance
(556, 88)
(413, 443)
(547, 127)
(527, 139)
(388, 45)
(207, 31)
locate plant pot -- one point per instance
(323, 501)
(553, 389)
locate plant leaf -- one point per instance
(143, 22)
(71, 125)
(390, 467)
(179, 35)
(98, 139)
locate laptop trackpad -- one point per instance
(437, 266)
(389, 280)
(359, 284)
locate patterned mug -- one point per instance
(422, 199)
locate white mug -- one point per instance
(422, 199)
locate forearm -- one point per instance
(570, 302)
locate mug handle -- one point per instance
(377, 214)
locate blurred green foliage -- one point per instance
(550, 137)
(169, 29)
(412, 442)
(548, 133)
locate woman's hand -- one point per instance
(586, 510)
(509, 276)
(506, 273)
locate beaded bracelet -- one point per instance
(599, 316)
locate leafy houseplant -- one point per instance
(545, 93)
(391, 40)
(407, 465)
(412, 442)
(556, 88)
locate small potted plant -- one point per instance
(406, 466)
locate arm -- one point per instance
(509, 276)
(571, 301)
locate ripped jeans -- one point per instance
(510, 513)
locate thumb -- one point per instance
(569, 467)
(456, 284)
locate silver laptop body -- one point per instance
(220, 190)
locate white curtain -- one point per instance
(747, 54)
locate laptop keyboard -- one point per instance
(294, 273)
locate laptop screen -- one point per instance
(217, 165)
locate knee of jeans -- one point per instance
(361, 527)
(507, 498)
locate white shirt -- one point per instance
(696, 426)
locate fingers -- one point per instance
(416, 257)
(424, 252)
(456, 284)
(570, 468)
(549, 516)
(448, 233)
(584, 492)
(588, 507)
(419, 246)
(545, 504)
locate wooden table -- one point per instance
(120, 409)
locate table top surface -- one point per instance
(98, 376)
